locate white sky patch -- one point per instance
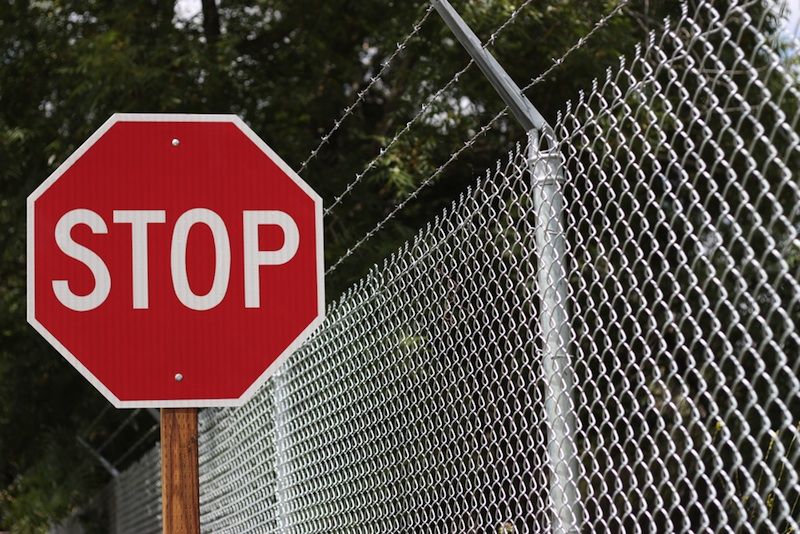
(792, 26)
(186, 9)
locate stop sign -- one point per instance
(174, 260)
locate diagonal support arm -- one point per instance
(525, 112)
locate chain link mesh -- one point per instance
(683, 227)
(475, 383)
(133, 500)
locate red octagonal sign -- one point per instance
(174, 260)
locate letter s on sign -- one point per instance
(102, 278)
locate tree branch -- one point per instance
(210, 20)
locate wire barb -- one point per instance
(399, 206)
(600, 24)
(363, 92)
(423, 110)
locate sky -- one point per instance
(186, 9)
(792, 26)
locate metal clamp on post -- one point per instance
(546, 165)
(547, 175)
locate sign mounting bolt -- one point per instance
(178, 377)
(176, 142)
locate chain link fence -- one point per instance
(449, 391)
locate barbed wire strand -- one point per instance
(556, 63)
(363, 92)
(385, 149)
(423, 110)
(416, 192)
(600, 24)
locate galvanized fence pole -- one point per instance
(548, 202)
(553, 320)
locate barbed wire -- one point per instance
(383, 151)
(423, 110)
(398, 207)
(578, 44)
(416, 191)
(373, 80)
(490, 41)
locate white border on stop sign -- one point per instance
(175, 117)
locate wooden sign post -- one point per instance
(180, 475)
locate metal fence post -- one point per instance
(548, 201)
(553, 320)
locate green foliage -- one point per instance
(50, 487)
